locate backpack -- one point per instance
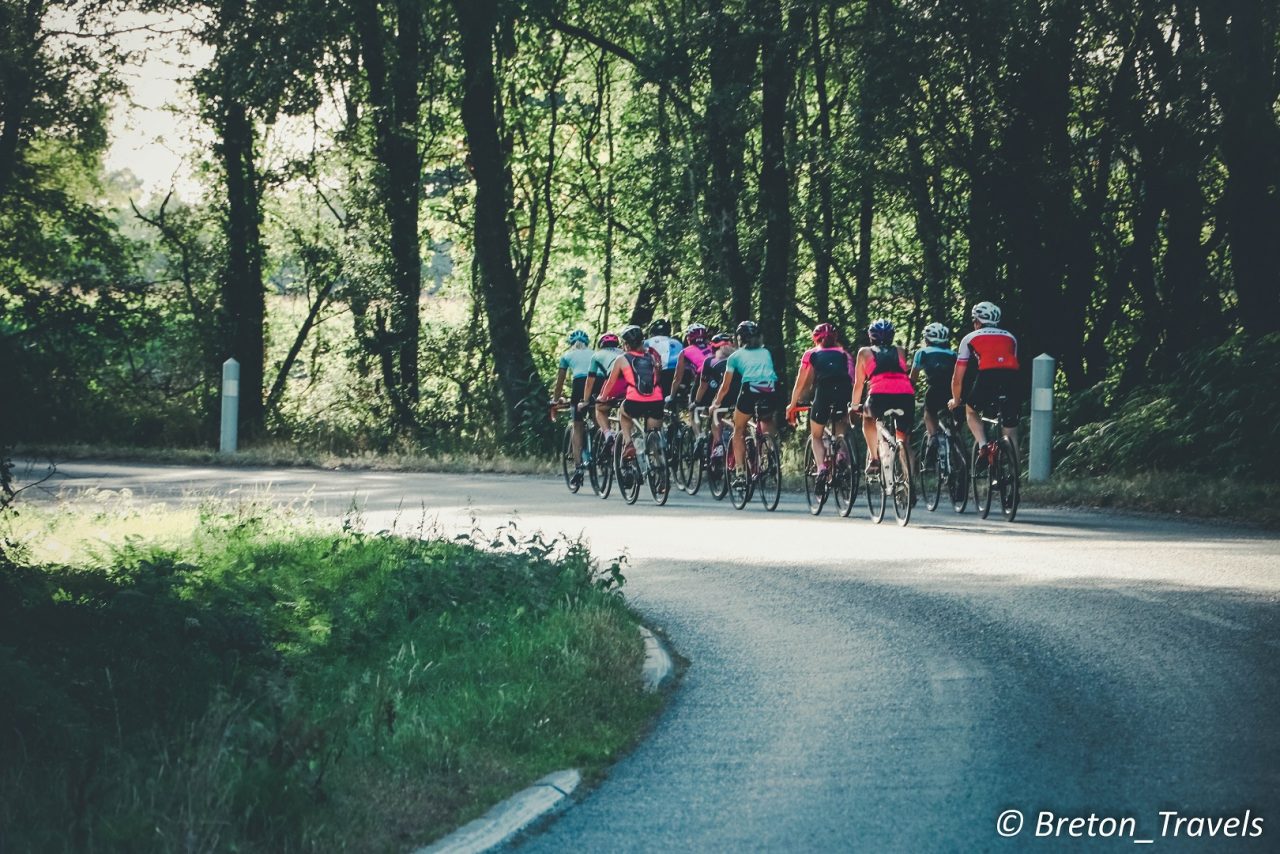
(644, 370)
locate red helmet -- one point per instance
(609, 340)
(825, 334)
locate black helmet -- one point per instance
(747, 329)
(632, 336)
(661, 326)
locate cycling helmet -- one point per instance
(633, 336)
(825, 335)
(577, 336)
(661, 326)
(936, 333)
(880, 332)
(747, 329)
(986, 313)
(609, 340)
(695, 333)
(720, 339)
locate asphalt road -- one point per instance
(854, 687)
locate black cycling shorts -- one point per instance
(579, 386)
(878, 404)
(748, 400)
(831, 400)
(640, 409)
(936, 398)
(989, 389)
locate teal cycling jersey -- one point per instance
(602, 362)
(937, 364)
(754, 367)
(577, 362)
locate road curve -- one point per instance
(869, 688)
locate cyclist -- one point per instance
(827, 368)
(667, 349)
(638, 369)
(937, 362)
(575, 362)
(752, 364)
(996, 352)
(695, 353)
(606, 397)
(709, 383)
(883, 367)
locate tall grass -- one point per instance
(234, 683)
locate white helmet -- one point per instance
(986, 313)
(936, 332)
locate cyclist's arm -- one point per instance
(702, 389)
(957, 379)
(725, 385)
(859, 377)
(915, 369)
(679, 374)
(559, 384)
(801, 388)
(586, 389)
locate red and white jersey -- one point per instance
(994, 349)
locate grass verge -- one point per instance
(231, 679)
(1184, 495)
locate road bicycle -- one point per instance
(695, 454)
(762, 471)
(646, 466)
(944, 469)
(600, 465)
(996, 473)
(573, 473)
(679, 443)
(893, 481)
(841, 476)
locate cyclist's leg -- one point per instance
(627, 424)
(976, 427)
(602, 416)
(930, 421)
(740, 419)
(871, 434)
(815, 439)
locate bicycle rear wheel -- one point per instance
(742, 483)
(769, 484)
(931, 476)
(601, 465)
(982, 475)
(813, 491)
(876, 494)
(718, 470)
(958, 476)
(567, 465)
(627, 473)
(900, 485)
(697, 462)
(681, 438)
(844, 476)
(1008, 471)
(659, 475)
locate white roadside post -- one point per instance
(230, 405)
(1042, 369)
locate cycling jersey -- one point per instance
(828, 363)
(994, 349)
(696, 356)
(633, 362)
(668, 350)
(577, 361)
(755, 368)
(938, 364)
(713, 373)
(601, 367)
(888, 374)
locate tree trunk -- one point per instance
(821, 176)
(243, 295)
(523, 390)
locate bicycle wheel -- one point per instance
(601, 465)
(876, 494)
(718, 471)
(813, 491)
(957, 475)
(844, 476)
(1007, 470)
(659, 475)
(567, 465)
(769, 482)
(900, 485)
(678, 436)
(931, 473)
(697, 462)
(982, 475)
(627, 473)
(741, 480)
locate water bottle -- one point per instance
(642, 456)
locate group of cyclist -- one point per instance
(645, 375)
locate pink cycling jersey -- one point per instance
(696, 356)
(884, 379)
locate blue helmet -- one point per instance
(880, 332)
(577, 336)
